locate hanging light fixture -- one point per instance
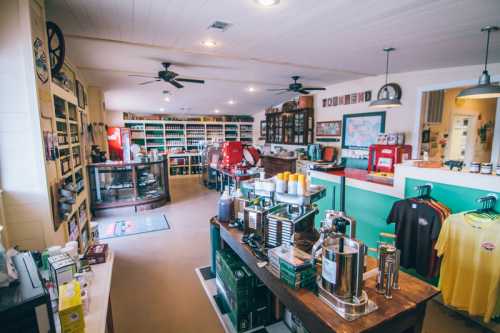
(390, 94)
(484, 89)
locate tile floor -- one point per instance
(155, 287)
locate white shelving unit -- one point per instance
(166, 136)
(185, 164)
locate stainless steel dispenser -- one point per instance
(342, 265)
(388, 269)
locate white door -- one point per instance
(461, 137)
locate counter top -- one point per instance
(281, 157)
(358, 178)
(119, 164)
(356, 174)
(96, 319)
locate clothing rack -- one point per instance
(424, 191)
(487, 202)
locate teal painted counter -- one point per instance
(370, 209)
(457, 198)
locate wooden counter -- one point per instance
(100, 319)
(404, 313)
(276, 164)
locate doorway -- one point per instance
(461, 136)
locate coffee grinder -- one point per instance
(342, 265)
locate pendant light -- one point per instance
(484, 89)
(389, 95)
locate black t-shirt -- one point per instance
(417, 228)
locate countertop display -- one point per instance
(99, 317)
(404, 312)
(121, 184)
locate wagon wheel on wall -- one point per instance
(57, 47)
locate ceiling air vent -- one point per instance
(219, 25)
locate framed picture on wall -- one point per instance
(360, 130)
(263, 129)
(80, 95)
(330, 129)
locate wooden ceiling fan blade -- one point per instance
(148, 82)
(175, 84)
(189, 80)
(305, 92)
(148, 76)
(313, 88)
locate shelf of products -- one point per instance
(70, 172)
(186, 164)
(293, 127)
(175, 137)
(128, 184)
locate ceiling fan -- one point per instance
(168, 76)
(296, 87)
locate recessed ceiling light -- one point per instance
(162, 109)
(251, 89)
(267, 3)
(216, 111)
(167, 99)
(231, 102)
(209, 43)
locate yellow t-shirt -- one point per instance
(470, 267)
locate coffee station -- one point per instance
(325, 276)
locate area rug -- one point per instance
(133, 225)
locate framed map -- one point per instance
(362, 129)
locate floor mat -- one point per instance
(133, 225)
(207, 273)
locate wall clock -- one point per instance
(389, 91)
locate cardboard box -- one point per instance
(71, 308)
(97, 254)
(62, 268)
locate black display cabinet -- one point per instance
(294, 127)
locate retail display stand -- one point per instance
(69, 165)
(403, 313)
(176, 136)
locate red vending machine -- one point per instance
(382, 158)
(119, 144)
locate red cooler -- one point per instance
(382, 158)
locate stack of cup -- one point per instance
(301, 184)
(292, 184)
(280, 183)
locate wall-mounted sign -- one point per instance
(41, 63)
(328, 128)
(354, 98)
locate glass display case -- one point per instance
(142, 185)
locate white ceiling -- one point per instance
(324, 41)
